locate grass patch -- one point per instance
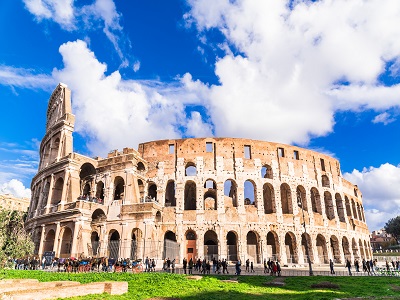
(164, 286)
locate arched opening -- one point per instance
(250, 193)
(266, 172)
(361, 246)
(45, 196)
(339, 207)
(152, 192)
(291, 251)
(190, 196)
(301, 197)
(334, 242)
(355, 192)
(49, 241)
(321, 248)
(114, 244)
(86, 190)
(171, 247)
(141, 190)
(191, 249)
(210, 195)
(135, 237)
(231, 242)
(354, 248)
(98, 216)
(66, 243)
(158, 217)
(253, 249)
(170, 199)
(329, 210)
(359, 212)
(353, 206)
(86, 174)
(119, 185)
(272, 246)
(57, 191)
(95, 244)
(286, 199)
(210, 245)
(190, 169)
(362, 213)
(346, 248)
(315, 201)
(100, 191)
(54, 150)
(140, 166)
(348, 209)
(230, 190)
(325, 181)
(306, 242)
(269, 199)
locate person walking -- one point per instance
(184, 264)
(331, 266)
(348, 266)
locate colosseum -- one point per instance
(230, 198)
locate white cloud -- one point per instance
(281, 73)
(115, 113)
(381, 192)
(24, 78)
(384, 118)
(196, 127)
(16, 188)
(61, 11)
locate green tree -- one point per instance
(14, 240)
(393, 227)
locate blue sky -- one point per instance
(323, 75)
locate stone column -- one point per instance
(40, 252)
(75, 239)
(50, 195)
(56, 245)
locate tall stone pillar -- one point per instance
(41, 245)
(56, 246)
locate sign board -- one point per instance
(49, 256)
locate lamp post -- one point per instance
(300, 203)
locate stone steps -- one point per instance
(31, 289)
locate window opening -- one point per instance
(281, 152)
(209, 147)
(171, 149)
(247, 151)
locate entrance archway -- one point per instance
(114, 244)
(191, 250)
(334, 242)
(231, 243)
(291, 250)
(253, 249)
(210, 245)
(171, 247)
(49, 241)
(321, 248)
(272, 246)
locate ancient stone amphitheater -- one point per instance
(201, 198)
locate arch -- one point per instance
(325, 181)
(100, 190)
(170, 199)
(152, 191)
(272, 246)
(348, 208)
(321, 248)
(136, 236)
(355, 192)
(316, 201)
(114, 244)
(353, 207)
(269, 199)
(87, 170)
(334, 243)
(210, 195)
(171, 247)
(250, 193)
(57, 191)
(141, 189)
(361, 247)
(301, 195)
(354, 248)
(266, 172)
(49, 241)
(66, 242)
(95, 244)
(339, 207)
(119, 186)
(45, 195)
(253, 247)
(158, 217)
(190, 195)
(98, 216)
(346, 248)
(329, 210)
(191, 248)
(286, 199)
(210, 245)
(232, 245)
(359, 212)
(230, 190)
(291, 249)
(306, 242)
(54, 150)
(140, 166)
(190, 169)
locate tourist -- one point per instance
(331, 266)
(348, 266)
(184, 264)
(190, 266)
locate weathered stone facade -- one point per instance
(226, 197)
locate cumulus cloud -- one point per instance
(381, 192)
(115, 113)
(289, 66)
(15, 188)
(68, 16)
